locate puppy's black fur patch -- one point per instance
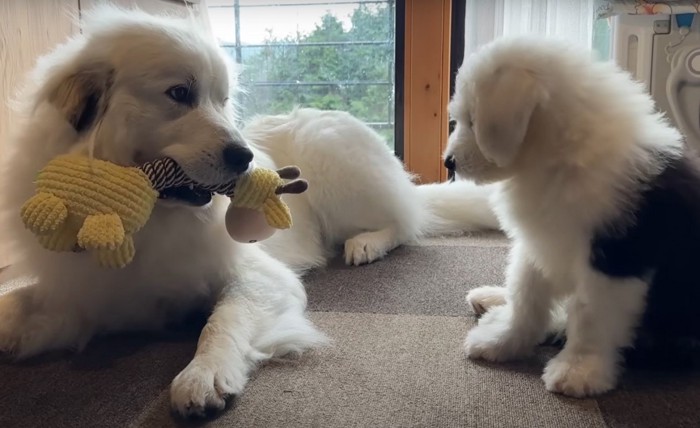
(660, 239)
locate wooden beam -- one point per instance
(426, 86)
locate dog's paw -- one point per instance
(482, 298)
(204, 386)
(495, 338)
(364, 248)
(580, 375)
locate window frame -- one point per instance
(428, 49)
(433, 48)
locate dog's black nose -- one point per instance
(450, 163)
(237, 158)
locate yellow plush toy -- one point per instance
(88, 204)
(256, 208)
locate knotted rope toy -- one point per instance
(84, 204)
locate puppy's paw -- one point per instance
(496, 338)
(580, 375)
(364, 248)
(482, 298)
(204, 386)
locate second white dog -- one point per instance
(360, 197)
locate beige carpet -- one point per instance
(396, 361)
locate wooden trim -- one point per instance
(426, 86)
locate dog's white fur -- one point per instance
(359, 197)
(566, 137)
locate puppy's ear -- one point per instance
(82, 95)
(504, 107)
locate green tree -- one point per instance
(308, 70)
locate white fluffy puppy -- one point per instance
(600, 198)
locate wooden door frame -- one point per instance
(426, 86)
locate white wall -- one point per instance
(27, 30)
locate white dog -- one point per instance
(133, 87)
(360, 196)
(600, 198)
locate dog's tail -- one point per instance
(457, 207)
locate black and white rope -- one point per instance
(166, 173)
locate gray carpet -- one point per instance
(396, 361)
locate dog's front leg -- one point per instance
(602, 317)
(512, 330)
(222, 361)
(32, 322)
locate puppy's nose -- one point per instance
(237, 158)
(450, 163)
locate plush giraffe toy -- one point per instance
(88, 204)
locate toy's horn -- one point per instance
(293, 187)
(289, 172)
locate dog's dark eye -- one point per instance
(180, 94)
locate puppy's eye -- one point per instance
(180, 94)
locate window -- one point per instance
(571, 20)
(328, 54)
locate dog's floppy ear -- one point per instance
(82, 95)
(503, 110)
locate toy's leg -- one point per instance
(117, 257)
(64, 238)
(44, 213)
(102, 231)
(277, 214)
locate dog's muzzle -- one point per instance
(450, 164)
